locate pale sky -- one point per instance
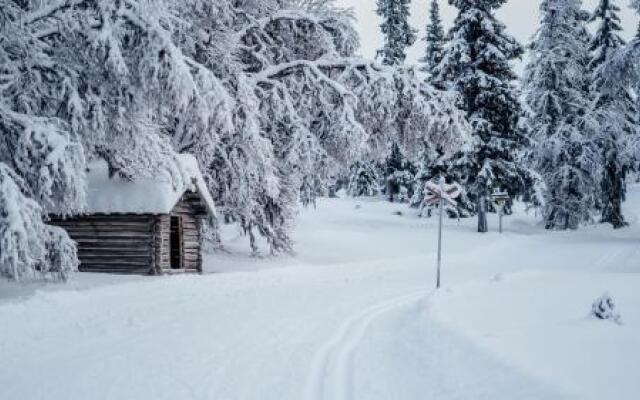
(521, 17)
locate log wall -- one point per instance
(138, 244)
(112, 243)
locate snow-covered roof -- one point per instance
(143, 195)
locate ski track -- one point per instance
(331, 373)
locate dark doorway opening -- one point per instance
(175, 243)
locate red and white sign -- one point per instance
(434, 192)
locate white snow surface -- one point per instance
(353, 315)
(143, 195)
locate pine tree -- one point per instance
(398, 34)
(434, 40)
(558, 115)
(476, 64)
(617, 113)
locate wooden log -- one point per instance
(115, 263)
(104, 218)
(116, 256)
(110, 270)
(108, 248)
(108, 244)
(100, 234)
(106, 222)
(107, 229)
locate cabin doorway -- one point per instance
(175, 243)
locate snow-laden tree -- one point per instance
(398, 34)
(622, 70)
(477, 65)
(558, 117)
(425, 120)
(290, 68)
(29, 249)
(606, 40)
(617, 113)
(364, 180)
(41, 160)
(36, 143)
(292, 60)
(399, 176)
(123, 80)
(435, 41)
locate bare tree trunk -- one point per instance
(614, 191)
(483, 227)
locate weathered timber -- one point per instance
(140, 244)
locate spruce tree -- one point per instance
(606, 40)
(617, 112)
(558, 115)
(434, 40)
(398, 34)
(476, 64)
(399, 176)
(363, 179)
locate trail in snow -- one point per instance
(332, 371)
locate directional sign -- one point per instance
(434, 192)
(500, 198)
(441, 193)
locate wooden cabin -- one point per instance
(145, 226)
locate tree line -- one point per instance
(563, 136)
(274, 102)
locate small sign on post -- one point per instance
(440, 193)
(500, 199)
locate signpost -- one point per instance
(441, 194)
(500, 199)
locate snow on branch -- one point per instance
(29, 249)
(49, 10)
(622, 70)
(43, 153)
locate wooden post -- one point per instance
(440, 232)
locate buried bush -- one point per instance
(605, 308)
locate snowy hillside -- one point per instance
(351, 316)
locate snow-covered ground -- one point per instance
(352, 315)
